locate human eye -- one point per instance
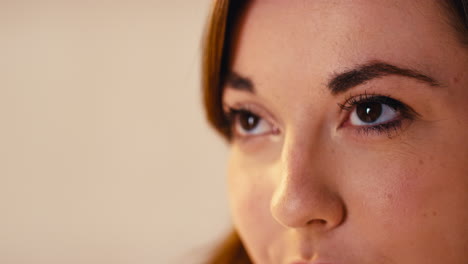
(245, 122)
(373, 113)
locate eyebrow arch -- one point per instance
(341, 82)
(238, 82)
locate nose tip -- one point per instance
(299, 203)
(307, 189)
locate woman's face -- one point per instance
(351, 133)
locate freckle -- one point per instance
(421, 162)
(456, 80)
(434, 213)
(389, 195)
(425, 215)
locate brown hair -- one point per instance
(215, 61)
(215, 58)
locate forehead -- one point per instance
(309, 39)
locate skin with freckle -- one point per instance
(320, 189)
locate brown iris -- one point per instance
(369, 112)
(247, 120)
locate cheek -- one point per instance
(250, 192)
(411, 204)
(387, 190)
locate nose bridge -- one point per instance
(304, 195)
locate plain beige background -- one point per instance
(105, 156)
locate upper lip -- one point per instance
(309, 253)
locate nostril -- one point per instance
(317, 222)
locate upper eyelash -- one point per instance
(236, 108)
(231, 112)
(352, 101)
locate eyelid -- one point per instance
(352, 100)
(251, 107)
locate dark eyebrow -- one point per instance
(234, 80)
(342, 82)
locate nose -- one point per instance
(305, 195)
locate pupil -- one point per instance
(248, 121)
(369, 112)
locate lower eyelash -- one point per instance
(391, 128)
